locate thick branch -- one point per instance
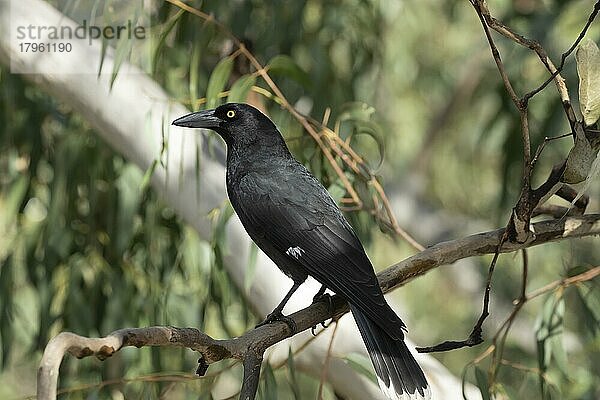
(485, 243)
(252, 364)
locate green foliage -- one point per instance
(362, 365)
(86, 245)
(217, 81)
(240, 89)
(549, 339)
(482, 383)
(283, 65)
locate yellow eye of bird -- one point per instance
(230, 114)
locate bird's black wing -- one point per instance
(292, 212)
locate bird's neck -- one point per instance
(261, 154)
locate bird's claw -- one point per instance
(324, 324)
(278, 316)
(323, 297)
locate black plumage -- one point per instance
(294, 220)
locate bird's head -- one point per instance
(236, 123)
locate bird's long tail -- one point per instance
(398, 373)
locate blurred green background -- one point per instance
(85, 246)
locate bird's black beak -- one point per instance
(201, 119)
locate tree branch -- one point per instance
(252, 363)
(529, 199)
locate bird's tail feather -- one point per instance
(398, 373)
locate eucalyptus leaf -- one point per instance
(270, 384)
(148, 175)
(588, 69)
(590, 306)
(167, 28)
(11, 202)
(483, 383)
(123, 50)
(251, 270)
(224, 213)
(362, 365)
(293, 379)
(240, 89)
(217, 81)
(580, 158)
(286, 66)
(194, 76)
(548, 331)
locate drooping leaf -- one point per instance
(588, 69)
(483, 383)
(240, 89)
(293, 380)
(286, 66)
(194, 76)
(362, 365)
(270, 384)
(580, 158)
(251, 269)
(11, 202)
(223, 214)
(168, 27)
(123, 50)
(368, 132)
(358, 119)
(592, 175)
(148, 175)
(548, 333)
(217, 81)
(590, 302)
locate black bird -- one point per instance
(294, 220)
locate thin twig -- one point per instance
(584, 276)
(542, 145)
(566, 54)
(476, 335)
(323, 376)
(507, 324)
(482, 12)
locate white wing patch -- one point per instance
(295, 252)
